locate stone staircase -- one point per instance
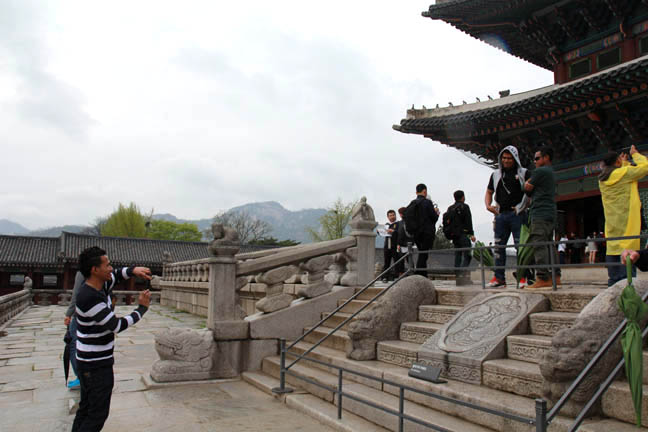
(510, 384)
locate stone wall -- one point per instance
(12, 304)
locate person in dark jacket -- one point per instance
(424, 238)
(465, 233)
(390, 249)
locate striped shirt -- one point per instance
(97, 324)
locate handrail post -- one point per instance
(481, 265)
(282, 389)
(541, 415)
(552, 261)
(401, 409)
(339, 410)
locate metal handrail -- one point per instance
(353, 297)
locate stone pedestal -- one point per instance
(317, 285)
(275, 298)
(478, 333)
(337, 269)
(366, 257)
(350, 278)
(222, 290)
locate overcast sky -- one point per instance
(195, 107)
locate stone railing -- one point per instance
(233, 342)
(14, 303)
(46, 297)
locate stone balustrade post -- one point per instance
(222, 289)
(363, 223)
(317, 285)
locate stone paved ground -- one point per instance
(33, 395)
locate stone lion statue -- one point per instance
(224, 238)
(362, 215)
(571, 349)
(382, 320)
(185, 354)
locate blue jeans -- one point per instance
(73, 334)
(505, 224)
(617, 273)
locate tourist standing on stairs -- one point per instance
(97, 325)
(542, 189)
(506, 189)
(619, 187)
(390, 249)
(403, 240)
(458, 227)
(420, 218)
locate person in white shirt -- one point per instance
(562, 249)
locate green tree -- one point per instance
(271, 241)
(334, 224)
(125, 222)
(441, 242)
(168, 230)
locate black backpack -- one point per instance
(413, 218)
(451, 222)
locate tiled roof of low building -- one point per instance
(23, 250)
(133, 251)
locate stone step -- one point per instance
(312, 406)
(513, 376)
(372, 395)
(339, 340)
(455, 296)
(528, 347)
(607, 425)
(439, 314)
(397, 352)
(353, 306)
(335, 320)
(550, 323)
(617, 403)
(418, 332)
(573, 300)
(369, 293)
(480, 395)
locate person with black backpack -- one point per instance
(420, 219)
(458, 227)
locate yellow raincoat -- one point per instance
(621, 204)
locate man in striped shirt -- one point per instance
(96, 328)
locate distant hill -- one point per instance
(9, 227)
(286, 224)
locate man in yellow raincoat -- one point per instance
(618, 183)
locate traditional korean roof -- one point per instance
(132, 251)
(22, 250)
(538, 31)
(469, 126)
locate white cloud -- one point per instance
(196, 108)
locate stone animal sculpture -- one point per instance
(224, 238)
(382, 320)
(185, 354)
(571, 349)
(362, 216)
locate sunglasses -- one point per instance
(538, 157)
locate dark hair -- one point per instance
(610, 158)
(390, 211)
(90, 257)
(420, 187)
(546, 151)
(401, 210)
(458, 195)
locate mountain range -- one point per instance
(286, 224)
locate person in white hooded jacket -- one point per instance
(505, 198)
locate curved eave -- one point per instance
(558, 100)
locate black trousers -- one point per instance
(96, 390)
(391, 255)
(462, 258)
(424, 242)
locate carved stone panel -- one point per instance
(478, 333)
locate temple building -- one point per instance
(52, 262)
(598, 102)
